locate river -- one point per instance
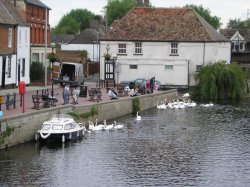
(199, 146)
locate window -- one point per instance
(198, 67)
(133, 66)
(26, 37)
(169, 67)
(23, 67)
(35, 57)
(20, 37)
(9, 67)
(174, 48)
(238, 46)
(122, 48)
(138, 48)
(10, 38)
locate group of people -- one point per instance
(66, 93)
(150, 85)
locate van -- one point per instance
(71, 73)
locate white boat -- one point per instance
(61, 127)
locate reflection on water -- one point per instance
(191, 147)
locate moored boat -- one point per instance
(61, 127)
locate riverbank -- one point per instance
(22, 127)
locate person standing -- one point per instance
(66, 94)
(152, 83)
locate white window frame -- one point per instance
(10, 38)
(174, 49)
(138, 48)
(122, 48)
(241, 46)
(9, 67)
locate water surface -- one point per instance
(188, 147)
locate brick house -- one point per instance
(14, 47)
(36, 15)
(168, 43)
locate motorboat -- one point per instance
(60, 127)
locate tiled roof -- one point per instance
(228, 33)
(9, 14)
(37, 3)
(163, 24)
(88, 36)
(62, 38)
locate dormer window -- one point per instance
(238, 46)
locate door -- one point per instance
(3, 72)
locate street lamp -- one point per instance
(52, 70)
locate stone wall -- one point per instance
(22, 128)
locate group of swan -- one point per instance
(181, 104)
(176, 104)
(104, 126)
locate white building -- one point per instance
(14, 47)
(170, 44)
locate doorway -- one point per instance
(3, 72)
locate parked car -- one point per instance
(140, 82)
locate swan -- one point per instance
(119, 126)
(207, 105)
(186, 95)
(108, 127)
(91, 125)
(98, 127)
(138, 117)
(162, 106)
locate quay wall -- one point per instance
(22, 128)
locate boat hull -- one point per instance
(61, 137)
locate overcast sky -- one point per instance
(224, 9)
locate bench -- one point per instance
(95, 94)
(40, 101)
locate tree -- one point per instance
(36, 71)
(220, 81)
(74, 22)
(117, 9)
(237, 23)
(214, 21)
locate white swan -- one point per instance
(208, 105)
(91, 125)
(138, 117)
(119, 126)
(161, 106)
(97, 127)
(108, 127)
(186, 95)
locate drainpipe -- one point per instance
(188, 75)
(204, 50)
(46, 41)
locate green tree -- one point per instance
(237, 23)
(220, 81)
(117, 9)
(214, 21)
(36, 71)
(75, 21)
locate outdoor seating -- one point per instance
(95, 94)
(40, 101)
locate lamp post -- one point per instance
(52, 70)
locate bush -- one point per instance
(36, 71)
(220, 81)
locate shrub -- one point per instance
(36, 71)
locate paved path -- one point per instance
(28, 105)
